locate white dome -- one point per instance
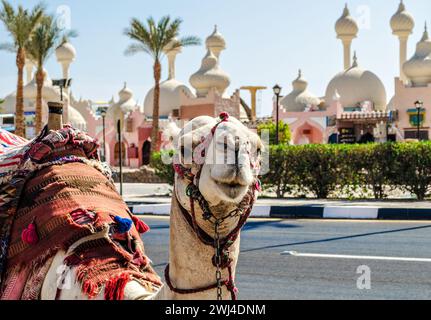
(76, 119)
(418, 68)
(209, 76)
(215, 42)
(354, 86)
(402, 22)
(49, 93)
(170, 97)
(173, 47)
(125, 93)
(65, 53)
(346, 26)
(300, 97)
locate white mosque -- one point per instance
(355, 106)
(207, 95)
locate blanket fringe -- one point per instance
(114, 289)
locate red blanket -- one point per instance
(67, 202)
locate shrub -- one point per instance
(413, 168)
(284, 132)
(164, 171)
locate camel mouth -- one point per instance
(232, 189)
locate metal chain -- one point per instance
(218, 261)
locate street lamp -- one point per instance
(102, 111)
(277, 91)
(419, 106)
(120, 151)
(63, 84)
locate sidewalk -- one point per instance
(154, 199)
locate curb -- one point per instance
(310, 212)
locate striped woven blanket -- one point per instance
(60, 193)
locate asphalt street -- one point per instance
(323, 267)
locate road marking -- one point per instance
(352, 257)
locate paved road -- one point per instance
(265, 274)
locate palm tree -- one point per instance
(45, 39)
(20, 24)
(152, 38)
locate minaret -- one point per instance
(347, 30)
(171, 51)
(402, 24)
(216, 43)
(65, 54)
(29, 66)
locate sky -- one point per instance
(267, 42)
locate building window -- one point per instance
(413, 134)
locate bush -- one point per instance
(413, 168)
(325, 170)
(283, 130)
(164, 171)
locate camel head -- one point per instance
(222, 158)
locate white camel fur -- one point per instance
(222, 185)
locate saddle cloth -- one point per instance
(62, 189)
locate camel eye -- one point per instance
(259, 151)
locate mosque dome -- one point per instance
(346, 26)
(418, 68)
(65, 52)
(215, 42)
(49, 93)
(300, 97)
(402, 21)
(126, 102)
(209, 76)
(170, 97)
(76, 119)
(356, 85)
(173, 46)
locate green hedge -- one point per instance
(323, 170)
(326, 171)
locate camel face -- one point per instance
(226, 155)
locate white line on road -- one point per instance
(352, 257)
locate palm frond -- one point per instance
(153, 37)
(8, 47)
(137, 48)
(190, 41)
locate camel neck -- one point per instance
(190, 260)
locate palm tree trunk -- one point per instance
(156, 107)
(19, 120)
(39, 82)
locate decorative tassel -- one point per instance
(258, 185)
(140, 225)
(123, 225)
(29, 235)
(224, 116)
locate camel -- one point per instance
(211, 202)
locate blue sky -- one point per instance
(267, 42)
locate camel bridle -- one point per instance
(221, 259)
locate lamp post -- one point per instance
(120, 151)
(419, 105)
(63, 84)
(103, 110)
(277, 91)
